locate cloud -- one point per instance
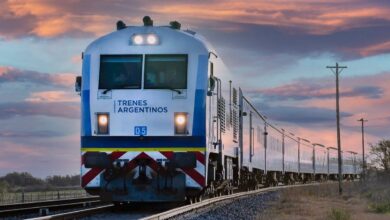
(271, 39)
(302, 90)
(13, 26)
(306, 108)
(48, 19)
(378, 48)
(53, 96)
(11, 74)
(41, 156)
(300, 115)
(347, 27)
(68, 110)
(311, 16)
(30, 134)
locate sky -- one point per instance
(277, 51)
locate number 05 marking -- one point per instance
(140, 130)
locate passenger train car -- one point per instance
(161, 120)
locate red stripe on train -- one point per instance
(92, 173)
(200, 179)
(133, 164)
(199, 157)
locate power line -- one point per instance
(337, 70)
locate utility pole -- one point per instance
(364, 161)
(337, 70)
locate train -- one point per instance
(163, 121)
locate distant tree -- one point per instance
(21, 179)
(4, 187)
(381, 154)
(17, 181)
(62, 181)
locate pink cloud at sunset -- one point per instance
(312, 16)
(374, 49)
(53, 96)
(11, 74)
(34, 108)
(39, 154)
(363, 96)
(327, 137)
(52, 19)
(18, 149)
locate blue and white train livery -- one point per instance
(161, 120)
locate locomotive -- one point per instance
(162, 120)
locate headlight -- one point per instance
(145, 39)
(103, 120)
(180, 120)
(151, 39)
(181, 123)
(138, 39)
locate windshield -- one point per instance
(120, 72)
(165, 72)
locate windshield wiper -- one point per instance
(175, 90)
(121, 87)
(105, 91)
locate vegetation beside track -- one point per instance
(369, 199)
(23, 187)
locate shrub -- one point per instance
(383, 207)
(339, 214)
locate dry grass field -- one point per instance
(368, 200)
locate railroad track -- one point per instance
(171, 213)
(193, 207)
(46, 207)
(78, 213)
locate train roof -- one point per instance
(170, 39)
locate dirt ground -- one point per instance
(360, 200)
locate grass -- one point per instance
(19, 197)
(381, 207)
(339, 214)
(368, 199)
(377, 192)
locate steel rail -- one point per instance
(46, 202)
(77, 213)
(55, 205)
(188, 208)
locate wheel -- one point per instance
(191, 200)
(117, 204)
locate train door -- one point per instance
(212, 95)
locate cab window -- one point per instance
(165, 72)
(120, 72)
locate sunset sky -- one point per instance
(277, 49)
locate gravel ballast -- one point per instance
(249, 207)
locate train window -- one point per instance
(165, 72)
(120, 72)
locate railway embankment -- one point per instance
(369, 199)
(248, 207)
(363, 200)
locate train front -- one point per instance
(143, 96)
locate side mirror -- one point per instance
(211, 86)
(77, 85)
(212, 83)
